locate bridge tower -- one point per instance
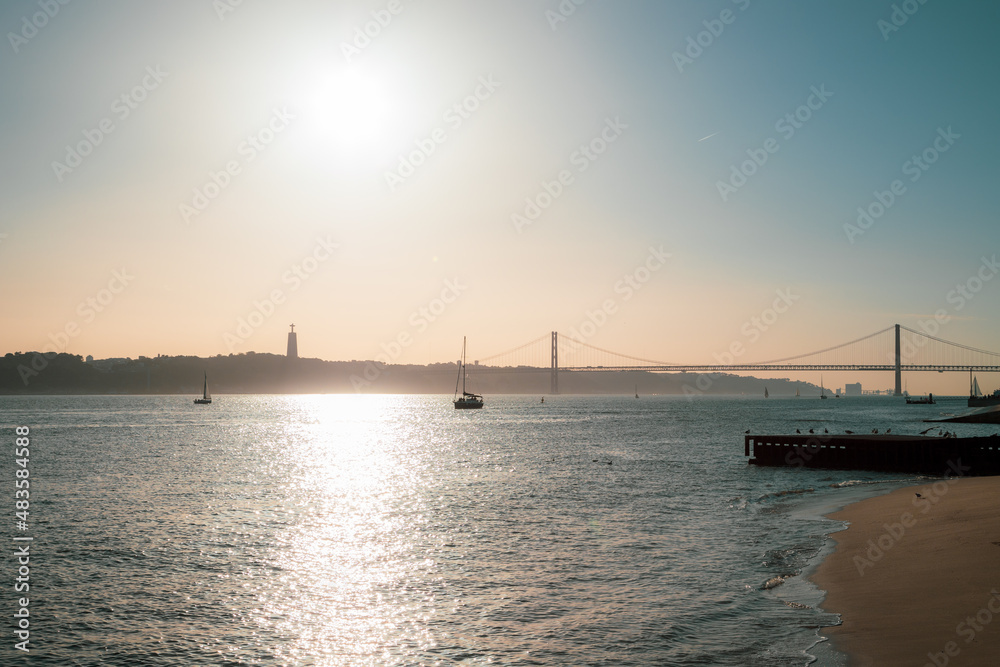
(554, 377)
(899, 374)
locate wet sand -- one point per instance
(916, 580)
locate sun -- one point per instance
(347, 111)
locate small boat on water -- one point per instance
(822, 391)
(922, 400)
(468, 400)
(766, 395)
(206, 397)
(976, 397)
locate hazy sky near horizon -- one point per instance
(172, 168)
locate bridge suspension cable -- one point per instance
(918, 349)
(876, 351)
(952, 344)
(869, 337)
(518, 354)
(568, 346)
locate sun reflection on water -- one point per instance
(347, 580)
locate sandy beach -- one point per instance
(916, 578)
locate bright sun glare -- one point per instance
(346, 110)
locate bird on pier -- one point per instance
(798, 431)
(825, 431)
(811, 431)
(746, 431)
(918, 495)
(888, 430)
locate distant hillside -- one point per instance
(251, 373)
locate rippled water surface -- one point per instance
(383, 530)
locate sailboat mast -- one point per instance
(463, 365)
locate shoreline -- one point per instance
(916, 579)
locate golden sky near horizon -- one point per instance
(191, 178)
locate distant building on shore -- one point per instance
(852, 389)
(293, 344)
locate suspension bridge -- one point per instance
(894, 349)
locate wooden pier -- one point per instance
(885, 453)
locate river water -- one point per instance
(395, 530)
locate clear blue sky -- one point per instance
(314, 130)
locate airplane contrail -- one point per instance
(709, 136)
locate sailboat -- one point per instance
(205, 396)
(765, 392)
(796, 392)
(467, 401)
(976, 398)
(822, 391)
(637, 391)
